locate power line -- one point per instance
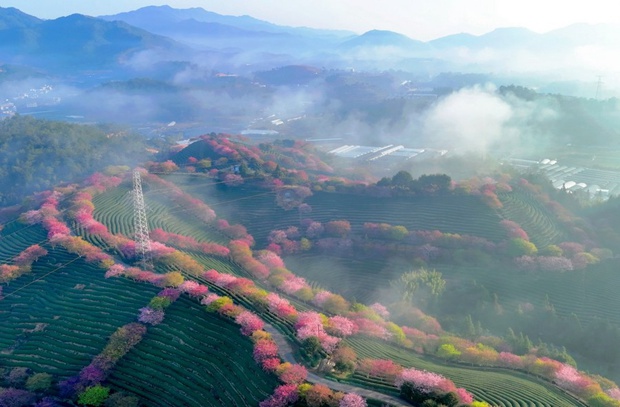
(43, 276)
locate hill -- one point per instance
(202, 261)
(471, 244)
(207, 30)
(38, 154)
(77, 41)
(157, 17)
(382, 38)
(13, 18)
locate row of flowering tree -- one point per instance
(89, 379)
(351, 319)
(430, 246)
(189, 243)
(88, 383)
(358, 319)
(21, 264)
(562, 374)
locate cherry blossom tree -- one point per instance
(171, 293)
(425, 382)
(314, 230)
(338, 228)
(320, 298)
(514, 230)
(554, 263)
(511, 360)
(342, 326)
(8, 272)
(383, 368)
(151, 316)
(614, 393)
(381, 310)
(280, 306)
(293, 284)
(249, 322)
(570, 379)
(193, 288)
(270, 259)
(464, 396)
(319, 395)
(270, 364)
(233, 180)
(371, 328)
(30, 255)
(352, 400)
(283, 396)
(209, 298)
(265, 349)
(290, 374)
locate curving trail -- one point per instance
(286, 353)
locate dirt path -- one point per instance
(286, 353)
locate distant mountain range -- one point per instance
(14, 18)
(73, 41)
(155, 18)
(244, 42)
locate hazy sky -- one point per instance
(419, 19)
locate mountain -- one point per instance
(498, 38)
(156, 18)
(518, 37)
(13, 18)
(78, 41)
(454, 40)
(508, 37)
(382, 38)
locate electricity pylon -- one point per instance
(141, 227)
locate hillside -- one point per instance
(37, 155)
(12, 18)
(209, 232)
(76, 41)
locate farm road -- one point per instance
(286, 353)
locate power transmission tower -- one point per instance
(599, 85)
(141, 227)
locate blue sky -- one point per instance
(419, 19)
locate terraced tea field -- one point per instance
(590, 294)
(114, 208)
(361, 278)
(16, 236)
(257, 210)
(193, 359)
(57, 324)
(495, 386)
(537, 221)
